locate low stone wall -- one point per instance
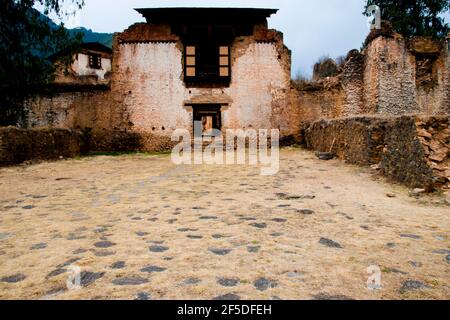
(411, 150)
(19, 145)
(127, 141)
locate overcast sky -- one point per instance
(312, 28)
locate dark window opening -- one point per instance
(207, 62)
(95, 61)
(426, 71)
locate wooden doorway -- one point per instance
(206, 118)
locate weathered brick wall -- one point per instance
(148, 83)
(321, 100)
(384, 79)
(410, 150)
(86, 108)
(389, 73)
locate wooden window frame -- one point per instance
(187, 56)
(228, 63)
(192, 52)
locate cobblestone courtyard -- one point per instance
(140, 228)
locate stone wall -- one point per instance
(81, 107)
(20, 145)
(391, 76)
(409, 149)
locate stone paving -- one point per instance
(138, 227)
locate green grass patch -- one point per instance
(121, 154)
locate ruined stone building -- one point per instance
(223, 67)
(391, 76)
(219, 66)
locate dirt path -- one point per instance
(138, 227)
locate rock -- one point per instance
(227, 282)
(4, 236)
(417, 192)
(279, 220)
(38, 246)
(390, 195)
(306, 212)
(284, 196)
(220, 252)
(411, 285)
(447, 200)
(326, 296)
(447, 259)
(28, 207)
(294, 274)
(375, 167)
(393, 270)
(13, 279)
(276, 234)
(151, 269)
(130, 281)
(101, 230)
(259, 225)
(88, 278)
(442, 251)
(68, 263)
(254, 249)
(263, 284)
(208, 218)
(142, 296)
(104, 244)
(330, 243)
(158, 249)
(118, 265)
(438, 157)
(73, 237)
(142, 234)
(324, 155)
(227, 297)
(424, 133)
(104, 253)
(192, 281)
(415, 264)
(248, 219)
(187, 230)
(56, 272)
(194, 237)
(411, 236)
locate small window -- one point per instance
(224, 61)
(95, 61)
(190, 61)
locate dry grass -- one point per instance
(112, 198)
